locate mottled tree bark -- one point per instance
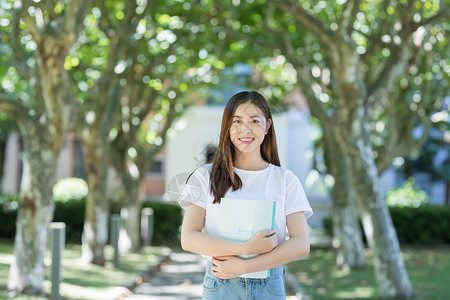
(392, 278)
(132, 180)
(346, 230)
(2, 159)
(95, 231)
(130, 213)
(348, 117)
(43, 123)
(102, 105)
(35, 212)
(347, 236)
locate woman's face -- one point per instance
(248, 128)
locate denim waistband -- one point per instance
(274, 273)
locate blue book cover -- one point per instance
(241, 219)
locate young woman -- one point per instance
(245, 166)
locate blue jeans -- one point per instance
(239, 288)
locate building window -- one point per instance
(156, 168)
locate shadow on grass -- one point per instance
(4, 270)
(80, 279)
(427, 268)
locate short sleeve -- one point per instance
(295, 197)
(196, 190)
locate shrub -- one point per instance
(70, 197)
(427, 224)
(72, 214)
(408, 195)
(70, 189)
(8, 215)
(167, 221)
(70, 206)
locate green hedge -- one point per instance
(167, 219)
(427, 224)
(71, 213)
(8, 215)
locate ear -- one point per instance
(269, 123)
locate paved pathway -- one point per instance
(180, 279)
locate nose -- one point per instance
(245, 128)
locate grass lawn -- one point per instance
(428, 269)
(85, 281)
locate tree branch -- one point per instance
(12, 107)
(401, 122)
(46, 6)
(171, 115)
(405, 144)
(348, 15)
(130, 14)
(147, 101)
(374, 42)
(303, 74)
(306, 20)
(105, 19)
(316, 107)
(148, 70)
(240, 36)
(304, 78)
(18, 54)
(75, 15)
(30, 22)
(393, 68)
(400, 54)
(269, 16)
(405, 14)
(108, 82)
(441, 16)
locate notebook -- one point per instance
(241, 219)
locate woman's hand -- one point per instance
(262, 242)
(227, 267)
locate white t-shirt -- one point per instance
(269, 184)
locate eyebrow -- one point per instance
(254, 116)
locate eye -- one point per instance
(255, 121)
(236, 121)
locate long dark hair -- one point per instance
(222, 176)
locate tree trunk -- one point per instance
(130, 238)
(3, 143)
(392, 279)
(43, 123)
(26, 274)
(95, 231)
(347, 237)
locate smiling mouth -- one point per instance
(246, 139)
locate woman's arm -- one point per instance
(297, 246)
(194, 240)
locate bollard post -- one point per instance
(58, 239)
(115, 231)
(147, 226)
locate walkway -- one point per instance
(180, 279)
